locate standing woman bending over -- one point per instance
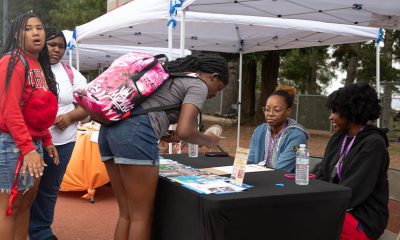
(356, 156)
(28, 107)
(274, 143)
(64, 137)
(130, 148)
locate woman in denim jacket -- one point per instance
(274, 143)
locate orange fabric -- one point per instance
(85, 170)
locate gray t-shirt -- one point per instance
(183, 90)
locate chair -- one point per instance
(388, 235)
(314, 161)
(394, 194)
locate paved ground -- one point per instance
(77, 219)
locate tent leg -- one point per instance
(240, 97)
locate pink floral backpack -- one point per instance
(123, 86)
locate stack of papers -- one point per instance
(228, 169)
(198, 180)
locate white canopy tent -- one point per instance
(223, 33)
(228, 33)
(94, 56)
(372, 13)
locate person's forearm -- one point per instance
(195, 137)
(77, 114)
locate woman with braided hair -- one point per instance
(129, 148)
(28, 107)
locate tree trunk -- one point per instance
(248, 88)
(387, 51)
(269, 77)
(312, 81)
(230, 92)
(353, 63)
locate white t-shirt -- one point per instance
(65, 102)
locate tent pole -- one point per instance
(70, 57)
(183, 26)
(240, 97)
(221, 100)
(378, 81)
(77, 57)
(170, 41)
(170, 57)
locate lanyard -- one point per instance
(343, 153)
(271, 145)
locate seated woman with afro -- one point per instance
(356, 157)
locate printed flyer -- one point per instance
(239, 166)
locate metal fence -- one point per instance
(310, 111)
(390, 118)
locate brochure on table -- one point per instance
(198, 180)
(228, 169)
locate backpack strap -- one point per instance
(21, 57)
(69, 71)
(167, 107)
(156, 109)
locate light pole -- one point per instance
(5, 20)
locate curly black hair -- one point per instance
(357, 103)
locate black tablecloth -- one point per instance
(265, 211)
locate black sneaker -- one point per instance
(52, 237)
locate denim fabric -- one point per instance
(131, 141)
(9, 154)
(283, 154)
(42, 210)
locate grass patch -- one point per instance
(394, 149)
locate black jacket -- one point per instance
(365, 172)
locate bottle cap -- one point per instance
(303, 145)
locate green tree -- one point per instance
(63, 14)
(346, 57)
(306, 69)
(270, 63)
(71, 13)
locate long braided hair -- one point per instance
(15, 40)
(209, 63)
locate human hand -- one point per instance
(52, 151)
(214, 140)
(171, 137)
(62, 121)
(34, 163)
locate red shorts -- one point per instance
(352, 229)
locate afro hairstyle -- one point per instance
(358, 103)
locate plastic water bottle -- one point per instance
(302, 165)
(193, 150)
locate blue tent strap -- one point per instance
(380, 36)
(173, 8)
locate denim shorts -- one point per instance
(9, 153)
(131, 141)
